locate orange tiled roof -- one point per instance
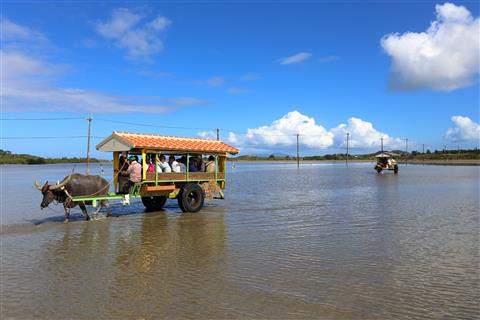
(156, 141)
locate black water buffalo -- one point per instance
(73, 185)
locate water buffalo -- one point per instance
(73, 185)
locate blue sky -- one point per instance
(260, 71)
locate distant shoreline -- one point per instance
(453, 162)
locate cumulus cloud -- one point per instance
(126, 30)
(296, 58)
(283, 132)
(464, 130)
(444, 57)
(207, 134)
(362, 135)
(30, 84)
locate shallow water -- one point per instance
(322, 242)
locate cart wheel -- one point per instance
(395, 169)
(153, 203)
(191, 197)
(378, 168)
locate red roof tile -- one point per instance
(155, 141)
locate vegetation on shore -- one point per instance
(436, 155)
(6, 157)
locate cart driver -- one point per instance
(134, 173)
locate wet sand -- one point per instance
(322, 242)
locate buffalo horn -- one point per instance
(38, 185)
(63, 183)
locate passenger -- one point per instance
(210, 165)
(162, 165)
(200, 164)
(174, 164)
(122, 179)
(151, 166)
(134, 173)
(193, 164)
(182, 163)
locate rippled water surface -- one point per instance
(322, 242)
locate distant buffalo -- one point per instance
(74, 185)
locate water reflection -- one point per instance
(117, 270)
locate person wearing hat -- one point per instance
(134, 173)
(122, 177)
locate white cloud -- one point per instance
(444, 57)
(216, 81)
(250, 77)
(160, 23)
(465, 130)
(207, 134)
(11, 31)
(296, 58)
(141, 40)
(30, 84)
(121, 22)
(363, 135)
(237, 90)
(282, 132)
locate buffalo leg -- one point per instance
(107, 205)
(67, 213)
(84, 210)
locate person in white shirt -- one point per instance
(174, 164)
(162, 165)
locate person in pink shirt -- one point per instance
(134, 173)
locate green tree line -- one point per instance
(7, 157)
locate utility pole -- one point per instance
(298, 153)
(89, 119)
(218, 133)
(423, 153)
(346, 159)
(458, 152)
(406, 151)
(381, 139)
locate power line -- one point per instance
(57, 137)
(40, 119)
(150, 125)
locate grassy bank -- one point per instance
(437, 157)
(6, 157)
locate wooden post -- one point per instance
(144, 165)
(298, 153)
(89, 119)
(346, 160)
(406, 151)
(116, 170)
(423, 153)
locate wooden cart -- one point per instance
(189, 188)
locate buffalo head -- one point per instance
(51, 192)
